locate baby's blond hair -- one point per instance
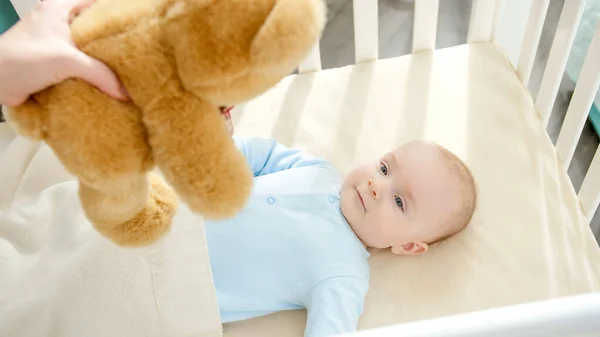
(468, 195)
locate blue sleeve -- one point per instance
(334, 306)
(268, 156)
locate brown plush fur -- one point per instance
(180, 60)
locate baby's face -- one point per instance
(402, 199)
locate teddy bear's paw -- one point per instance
(223, 193)
(150, 224)
(27, 119)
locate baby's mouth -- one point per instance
(362, 202)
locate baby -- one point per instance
(302, 240)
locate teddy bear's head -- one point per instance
(230, 51)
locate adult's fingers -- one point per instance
(71, 5)
(69, 9)
(11, 99)
(97, 74)
(78, 7)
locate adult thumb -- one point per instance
(97, 74)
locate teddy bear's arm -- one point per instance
(193, 148)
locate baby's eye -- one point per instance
(399, 202)
(383, 168)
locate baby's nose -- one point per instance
(373, 189)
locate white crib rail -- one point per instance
(560, 317)
(366, 37)
(425, 25)
(366, 30)
(585, 90)
(312, 62)
(589, 193)
(481, 26)
(557, 59)
(581, 102)
(531, 40)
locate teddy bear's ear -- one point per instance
(288, 33)
(244, 46)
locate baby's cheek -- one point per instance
(359, 175)
(377, 224)
(389, 223)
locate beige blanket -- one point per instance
(58, 277)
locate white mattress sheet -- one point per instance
(528, 239)
(59, 277)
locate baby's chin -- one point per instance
(359, 225)
(353, 215)
(347, 208)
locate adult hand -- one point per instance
(39, 52)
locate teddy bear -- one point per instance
(182, 63)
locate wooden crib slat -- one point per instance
(581, 102)
(312, 62)
(425, 25)
(531, 40)
(481, 26)
(366, 30)
(589, 194)
(557, 59)
(22, 7)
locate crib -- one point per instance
(528, 264)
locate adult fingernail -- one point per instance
(124, 92)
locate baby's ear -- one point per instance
(411, 248)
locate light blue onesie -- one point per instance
(291, 247)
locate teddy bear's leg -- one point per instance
(132, 212)
(194, 149)
(102, 142)
(28, 119)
